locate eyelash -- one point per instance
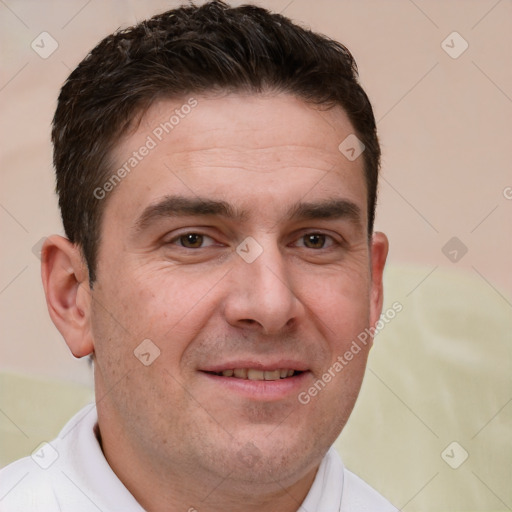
(333, 241)
(179, 237)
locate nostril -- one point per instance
(248, 321)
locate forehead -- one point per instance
(244, 149)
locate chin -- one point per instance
(272, 460)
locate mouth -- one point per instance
(258, 381)
(257, 374)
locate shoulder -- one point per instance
(41, 481)
(26, 487)
(358, 495)
(68, 474)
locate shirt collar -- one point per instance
(327, 489)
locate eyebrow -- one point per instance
(326, 209)
(176, 206)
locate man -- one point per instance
(217, 175)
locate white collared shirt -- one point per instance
(71, 474)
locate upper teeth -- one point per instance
(253, 374)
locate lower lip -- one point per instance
(262, 390)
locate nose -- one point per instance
(261, 294)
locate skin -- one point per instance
(175, 436)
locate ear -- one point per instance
(68, 295)
(379, 252)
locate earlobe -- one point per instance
(68, 296)
(379, 253)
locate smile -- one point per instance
(256, 374)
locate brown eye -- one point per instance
(314, 241)
(191, 240)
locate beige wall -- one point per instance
(444, 125)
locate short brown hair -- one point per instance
(191, 50)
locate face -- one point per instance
(238, 246)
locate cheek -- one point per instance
(340, 303)
(167, 305)
(342, 306)
(169, 295)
